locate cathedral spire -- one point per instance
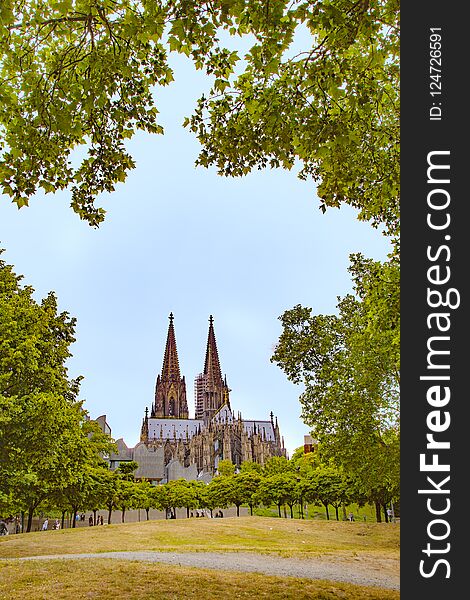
(170, 390)
(212, 364)
(171, 367)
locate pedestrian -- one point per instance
(101, 520)
(351, 516)
(56, 524)
(3, 528)
(90, 520)
(45, 525)
(389, 514)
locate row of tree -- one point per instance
(300, 481)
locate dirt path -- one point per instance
(360, 571)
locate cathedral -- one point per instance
(215, 433)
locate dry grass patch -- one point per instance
(110, 580)
(248, 534)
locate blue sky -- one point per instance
(185, 240)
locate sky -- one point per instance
(182, 239)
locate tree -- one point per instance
(126, 491)
(349, 365)
(181, 493)
(80, 75)
(219, 492)
(145, 497)
(126, 469)
(207, 497)
(249, 481)
(277, 464)
(279, 489)
(97, 489)
(126, 496)
(235, 489)
(330, 486)
(225, 468)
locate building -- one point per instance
(192, 447)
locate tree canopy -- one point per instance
(317, 88)
(47, 442)
(349, 366)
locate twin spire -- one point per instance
(170, 390)
(171, 367)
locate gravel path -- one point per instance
(360, 571)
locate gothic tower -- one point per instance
(170, 390)
(211, 389)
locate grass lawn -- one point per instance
(314, 511)
(111, 580)
(285, 537)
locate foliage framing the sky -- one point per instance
(83, 73)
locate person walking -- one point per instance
(3, 528)
(45, 525)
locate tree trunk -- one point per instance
(301, 507)
(344, 511)
(30, 519)
(211, 512)
(378, 514)
(327, 513)
(337, 513)
(238, 510)
(95, 510)
(187, 512)
(74, 517)
(285, 511)
(147, 510)
(291, 511)
(110, 512)
(62, 521)
(251, 509)
(279, 510)
(123, 516)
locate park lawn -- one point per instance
(110, 579)
(284, 537)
